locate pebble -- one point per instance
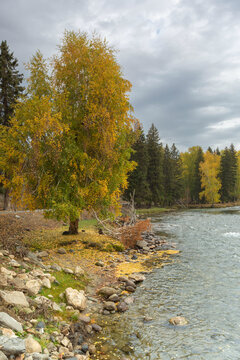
(61, 251)
(96, 327)
(84, 348)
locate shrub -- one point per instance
(131, 234)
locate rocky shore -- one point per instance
(34, 326)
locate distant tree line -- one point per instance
(164, 176)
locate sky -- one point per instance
(181, 56)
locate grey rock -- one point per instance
(14, 298)
(84, 318)
(37, 356)
(56, 267)
(68, 271)
(130, 283)
(137, 277)
(178, 321)
(32, 345)
(96, 327)
(84, 348)
(130, 288)
(12, 346)
(142, 244)
(9, 322)
(42, 254)
(122, 306)
(61, 251)
(110, 306)
(76, 298)
(106, 291)
(40, 325)
(114, 298)
(3, 356)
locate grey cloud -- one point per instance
(182, 57)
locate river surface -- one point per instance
(202, 284)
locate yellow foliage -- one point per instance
(211, 184)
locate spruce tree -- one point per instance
(10, 83)
(137, 179)
(177, 190)
(167, 176)
(196, 189)
(228, 173)
(155, 166)
(10, 89)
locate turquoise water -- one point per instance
(202, 284)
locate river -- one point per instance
(202, 284)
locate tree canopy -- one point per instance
(70, 140)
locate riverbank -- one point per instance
(94, 265)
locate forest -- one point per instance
(164, 176)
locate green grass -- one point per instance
(65, 280)
(87, 224)
(153, 210)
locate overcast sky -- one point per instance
(182, 57)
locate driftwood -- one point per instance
(116, 231)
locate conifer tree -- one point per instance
(10, 89)
(228, 173)
(137, 180)
(172, 173)
(197, 176)
(10, 83)
(155, 166)
(177, 190)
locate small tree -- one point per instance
(69, 148)
(10, 90)
(211, 184)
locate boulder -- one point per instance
(68, 271)
(56, 267)
(107, 291)
(32, 346)
(15, 298)
(12, 346)
(76, 298)
(178, 320)
(33, 287)
(42, 254)
(14, 263)
(142, 244)
(84, 318)
(3, 280)
(114, 298)
(46, 282)
(137, 277)
(7, 272)
(7, 332)
(110, 306)
(9, 322)
(96, 327)
(78, 271)
(37, 356)
(3, 356)
(122, 306)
